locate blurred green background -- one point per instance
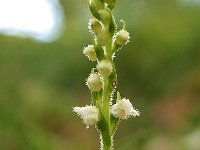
(159, 71)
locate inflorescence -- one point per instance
(104, 112)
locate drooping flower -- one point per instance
(90, 52)
(105, 68)
(94, 82)
(122, 37)
(123, 109)
(89, 114)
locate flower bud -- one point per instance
(90, 52)
(95, 6)
(95, 25)
(123, 109)
(94, 82)
(102, 37)
(111, 3)
(89, 114)
(122, 37)
(104, 16)
(105, 68)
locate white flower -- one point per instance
(94, 82)
(122, 37)
(89, 114)
(105, 68)
(124, 109)
(90, 52)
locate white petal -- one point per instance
(124, 109)
(89, 114)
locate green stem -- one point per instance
(106, 142)
(106, 125)
(106, 131)
(107, 146)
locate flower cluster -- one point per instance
(123, 109)
(104, 113)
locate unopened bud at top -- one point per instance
(122, 37)
(105, 68)
(95, 25)
(95, 6)
(94, 82)
(104, 16)
(90, 52)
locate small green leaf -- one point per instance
(112, 25)
(118, 97)
(99, 52)
(114, 122)
(94, 97)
